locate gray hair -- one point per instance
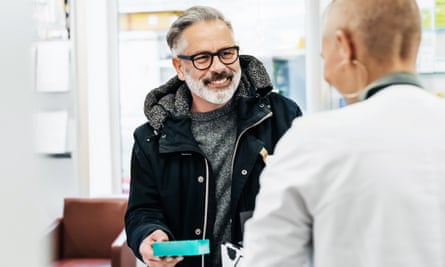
(189, 17)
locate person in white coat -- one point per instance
(363, 185)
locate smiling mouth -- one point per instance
(218, 82)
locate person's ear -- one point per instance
(344, 44)
(178, 67)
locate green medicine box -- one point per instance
(181, 248)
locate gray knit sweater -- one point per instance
(215, 132)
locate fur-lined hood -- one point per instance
(174, 96)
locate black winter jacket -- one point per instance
(172, 186)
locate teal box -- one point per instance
(181, 248)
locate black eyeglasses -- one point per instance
(204, 60)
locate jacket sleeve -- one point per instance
(287, 108)
(285, 111)
(144, 213)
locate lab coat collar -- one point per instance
(388, 80)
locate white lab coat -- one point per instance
(360, 186)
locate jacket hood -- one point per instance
(174, 98)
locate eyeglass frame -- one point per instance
(212, 55)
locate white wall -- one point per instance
(21, 226)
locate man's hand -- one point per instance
(147, 251)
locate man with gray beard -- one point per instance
(196, 161)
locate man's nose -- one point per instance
(217, 65)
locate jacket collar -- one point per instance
(176, 135)
(173, 99)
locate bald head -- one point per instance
(386, 31)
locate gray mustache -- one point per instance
(218, 76)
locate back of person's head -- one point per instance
(387, 31)
(364, 40)
(189, 17)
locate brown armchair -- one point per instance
(91, 234)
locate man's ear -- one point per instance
(345, 45)
(178, 67)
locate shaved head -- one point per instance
(364, 40)
(384, 30)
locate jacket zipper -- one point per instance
(239, 138)
(242, 133)
(206, 205)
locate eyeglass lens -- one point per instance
(226, 56)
